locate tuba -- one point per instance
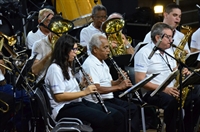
(113, 30)
(180, 54)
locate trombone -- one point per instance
(7, 106)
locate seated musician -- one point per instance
(96, 67)
(161, 63)
(128, 47)
(13, 97)
(65, 94)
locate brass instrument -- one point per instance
(7, 106)
(113, 29)
(59, 26)
(98, 96)
(11, 40)
(180, 54)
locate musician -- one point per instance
(195, 44)
(99, 15)
(128, 46)
(13, 97)
(43, 50)
(66, 96)
(96, 67)
(41, 32)
(164, 64)
(172, 17)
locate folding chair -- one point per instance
(64, 124)
(130, 71)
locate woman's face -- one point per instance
(73, 52)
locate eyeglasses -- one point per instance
(101, 17)
(169, 37)
(75, 49)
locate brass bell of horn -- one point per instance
(11, 39)
(58, 25)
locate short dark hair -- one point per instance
(97, 8)
(170, 7)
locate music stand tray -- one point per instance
(191, 59)
(138, 85)
(192, 79)
(165, 83)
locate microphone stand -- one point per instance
(180, 67)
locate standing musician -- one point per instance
(164, 64)
(66, 97)
(96, 67)
(172, 17)
(44, 16)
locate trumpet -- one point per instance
(98, 96)
(7, 106)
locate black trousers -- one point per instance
(123, 107)
(192, 110)
(170, 106)
(94, 114)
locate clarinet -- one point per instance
(119, 70)
(98, 96)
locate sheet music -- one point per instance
(165, 83)
(139, 84)
(191, 59)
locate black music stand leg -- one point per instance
(129, 96)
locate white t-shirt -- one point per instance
(195, 39)
(100, 74)
(56, 83)
(33, 37)
(41, 47)
(177, 39)
(86, 34)
(157, 64)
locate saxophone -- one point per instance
(180, 54)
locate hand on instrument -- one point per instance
(114, 44)
(90, 89)
(125, 84)
(124, 39)
(122, 77)
(172, 91)
(185, 71)
(84, 81)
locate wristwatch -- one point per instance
(128, 46)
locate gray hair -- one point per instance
(97, 8)
(115, 15)
(158, 28)
(95, 41)
(44, 12)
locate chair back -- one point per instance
(43, 107)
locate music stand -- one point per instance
(192, 79)
(138, 85)
(165, 83)
(21, 80)
(191, 59)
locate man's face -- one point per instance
(173, 18)
(167, 39)
(99, 18)
(103, 51)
